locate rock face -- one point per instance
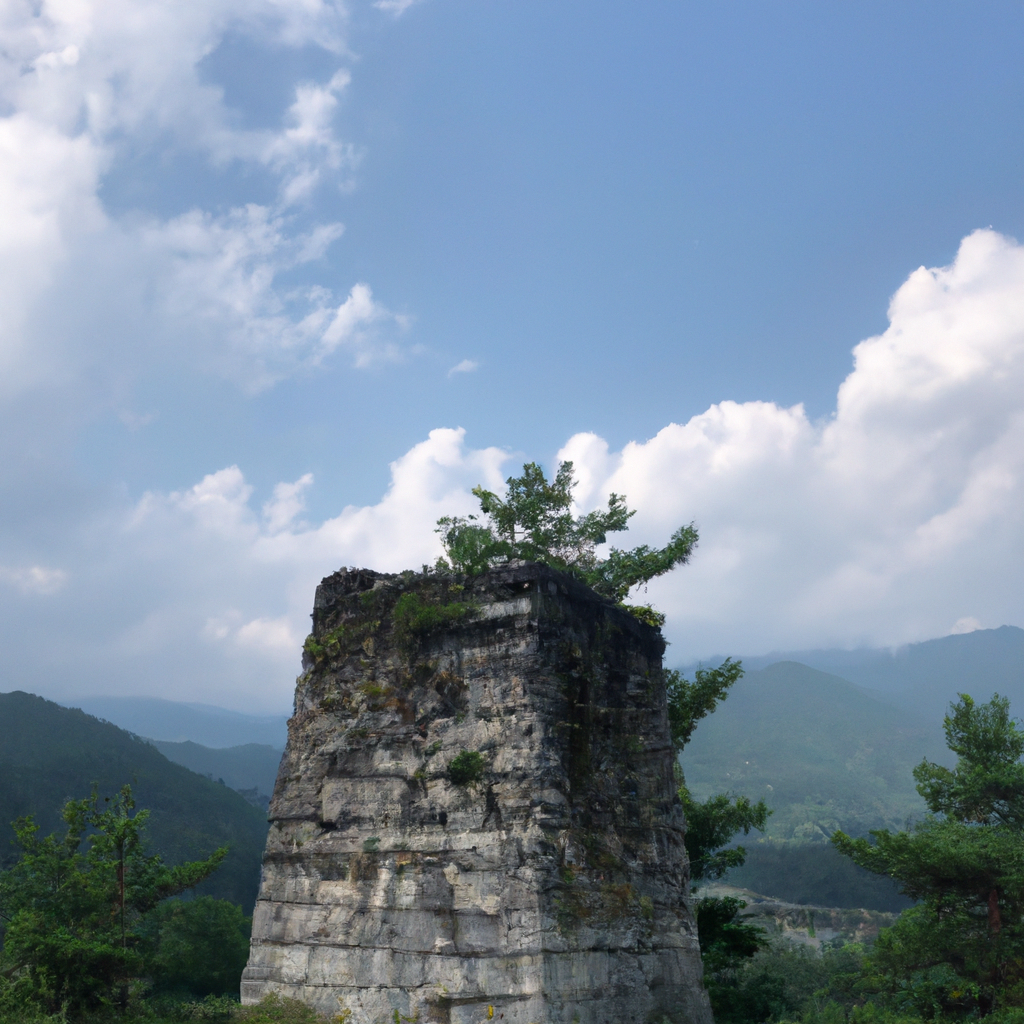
(475, 817)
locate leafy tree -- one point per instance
(71, 905)
(726, 942)
(534, 522)
(196, 947)
(711, 824)
(961, 950)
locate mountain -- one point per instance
(50, 753)
(824, 753)
(172, 721)
(250, 768)
(928, 676)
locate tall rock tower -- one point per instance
(475, 818)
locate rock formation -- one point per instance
(475, 817)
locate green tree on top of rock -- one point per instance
(534, 522)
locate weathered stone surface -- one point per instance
(552, 888)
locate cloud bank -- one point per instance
(899, 517)
(88, 293)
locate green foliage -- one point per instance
(196, 947)
(987, 785)
(49, 752)
(711, 826)
(72, 904)
(646, 614)
(466, 767)
(726, 942)
(689, 702)
(960, 952)
(785, 982)
(416, 618)
(534, 523)
(276, 1009)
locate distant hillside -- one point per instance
(928, 675)
(172, 721)
(824, 754)
(49, 753)
(252, 766)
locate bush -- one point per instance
(466, 767)
(276, 1009)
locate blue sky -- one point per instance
(296, 237)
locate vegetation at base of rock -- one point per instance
(275, 1009)
(466, 767)
(955, 956)
(195, 948)
(73, 904)
(533, 522)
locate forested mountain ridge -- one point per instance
(50, 753)
(821, 751)
(824, 754)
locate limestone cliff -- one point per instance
(475, 817)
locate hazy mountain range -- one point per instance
(176, 722)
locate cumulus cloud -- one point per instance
(466, 366)
(884, 523)
(88, 87)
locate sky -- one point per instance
(282, 280)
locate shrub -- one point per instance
(466, 767)
(415, 618)
(276, 1009)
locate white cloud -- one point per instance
(968, 624)
(88, 87)
(880, 524)
(466, 366)
(287, 503)
(394, 7)
(34, 579)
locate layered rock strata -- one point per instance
(475, 817)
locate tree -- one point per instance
(711, 825)
(961, 950)
(72, 903)
(534, 522)
(196, 947)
